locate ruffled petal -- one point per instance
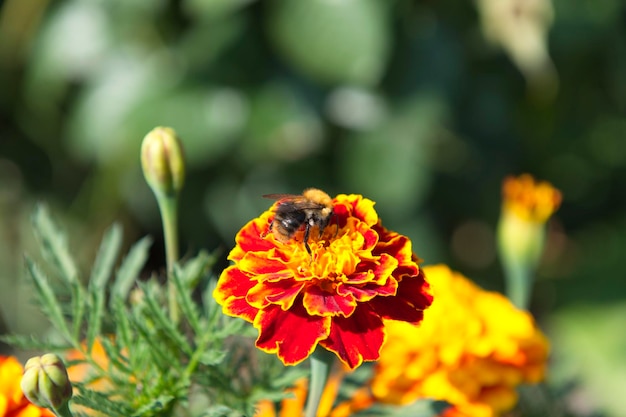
(292, 334)
(357, 338)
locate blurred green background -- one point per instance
(421, 106)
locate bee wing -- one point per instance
(281, 196)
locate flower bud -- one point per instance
(527, 205)
(162, 161)
(45, 382)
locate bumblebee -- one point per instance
(313, 208)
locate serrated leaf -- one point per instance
(213, 357)
(154, 406)
(116, 358)
(163, 322)
(122, 324)
(79, 304)
(53, 244)
(157, 352)
(130, 268)
(48, 301)
(30, 342)
(100, 402)
(96, 309)
(105, 260)
(187, 306)
(196, 268)
(103, 267)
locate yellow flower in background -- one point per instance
(529, 200)
(13, 403)
(472, 349)
(526, 207)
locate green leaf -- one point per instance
(123, 336)
(105, 261)
(48, 301)
(53, 244)
(213, 357)
(195, 269)
(163, 322)
(103, 267)
(187, 306)
(79, 304)
(30, 342)
(100, 402)
(159, 356)
(131, 266)
(153, 407)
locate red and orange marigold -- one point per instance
(358, 275)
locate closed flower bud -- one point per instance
(162, 161)
(45, 382)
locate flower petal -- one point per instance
(231, 291)
(412, 297)
(282, 293)
(291, 334)
(356, 338)
(324, 303)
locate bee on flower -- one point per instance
(302, 283)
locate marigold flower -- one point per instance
(358, 274)
(472, 349)
(13, 403)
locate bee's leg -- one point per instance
(269, 230)
(307, 230)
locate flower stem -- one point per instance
(168, 204)
(321, 363)
(519, 284)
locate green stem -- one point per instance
(519, 283)
(321, 363)
(168, 205)
(63, 411)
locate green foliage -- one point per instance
(150, 366)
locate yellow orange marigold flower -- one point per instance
(528, 199)
(13, 403)
(357, 275)
(472, 349)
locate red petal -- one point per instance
(231, 291)
(356, 338)
(412, 297)
(399, 247)
(262, 268)
(292, 334)
(376, 271)
(323, 303)
(282, 293)
(368, 291)
(251, 237)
